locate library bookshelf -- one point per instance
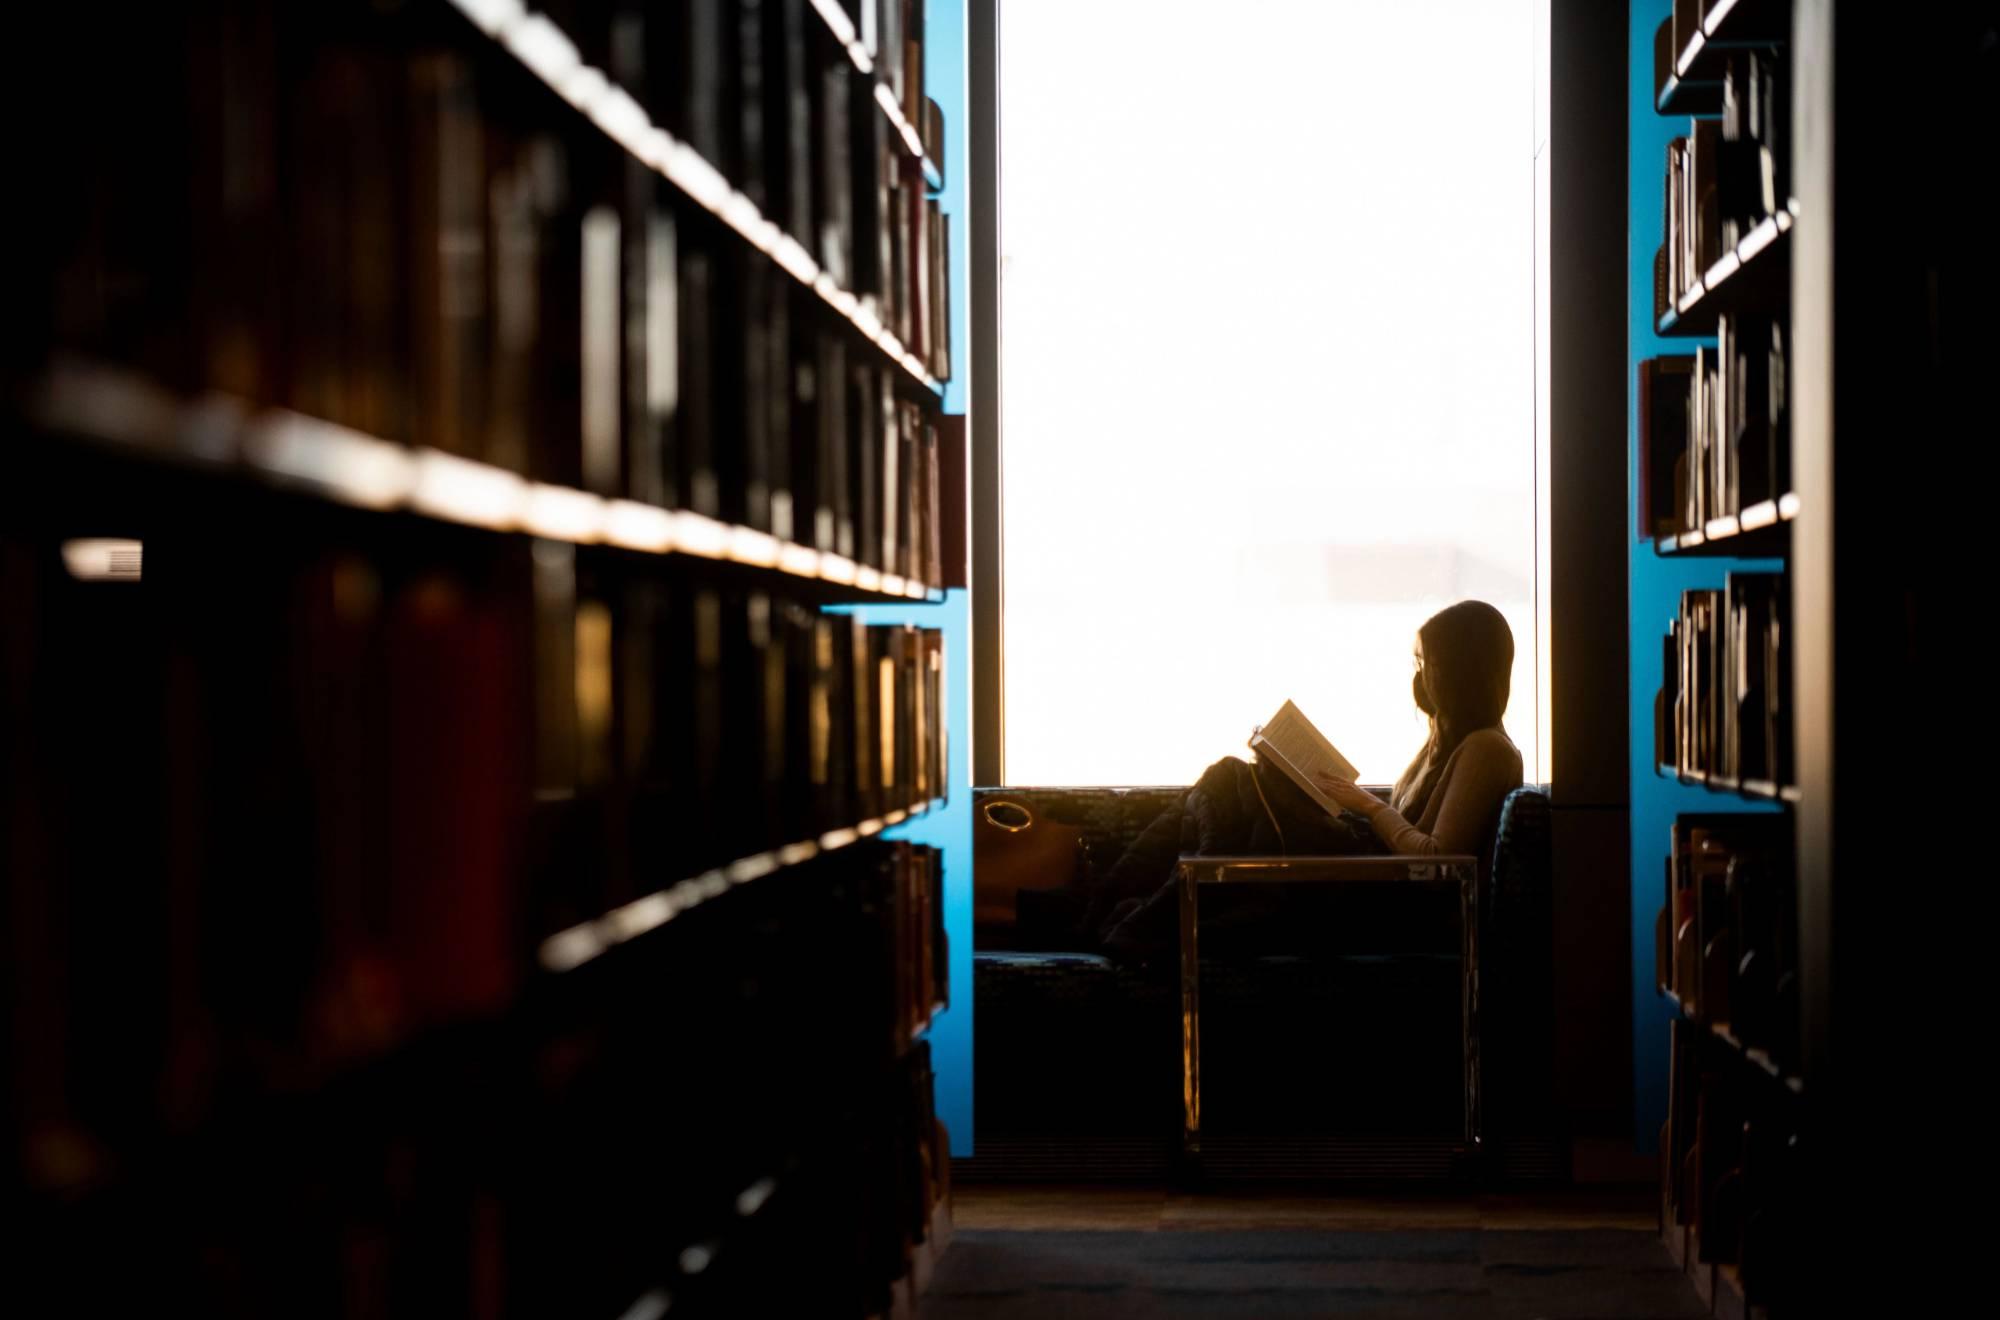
(1816, 979)
(1718, 447)
(445, 830)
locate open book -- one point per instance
(1289, 741)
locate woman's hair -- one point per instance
(1462, 687)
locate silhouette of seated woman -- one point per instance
(1448, 801)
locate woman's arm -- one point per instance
(1487, 769)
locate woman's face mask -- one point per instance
(1421, 690)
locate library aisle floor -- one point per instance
(1111, 1253)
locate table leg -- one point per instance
(1190, 1017)
(1468, 922)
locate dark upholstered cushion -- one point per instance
(1051, 979)
(1520, 883)
(1110, 818)
(1071, 1043)
(1517, 967)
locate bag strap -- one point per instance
(1257, 781)
(1027, 816)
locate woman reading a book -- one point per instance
(1447, 801)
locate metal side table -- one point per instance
(1441, 872)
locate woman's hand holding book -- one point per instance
(1348, 794)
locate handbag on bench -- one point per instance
(1015, 850)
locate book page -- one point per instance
(1294, 736)
(1269, 754)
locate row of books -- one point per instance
(1734, 1174)
(920, 956)
(899, 50)
(446, 758)
(1714, 428)
(1726, 943)
(762, 92)
(1756, 141)
(1727, 175)
(903, 53)
(837, 1236)
(685, 729)
(886, 37)
(1724, 710)
(682, 725)
(765, 94)
(720, 1130)
(272, 804)
(471, 265)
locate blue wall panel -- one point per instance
(1655, 586)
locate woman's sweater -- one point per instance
(1477, 777)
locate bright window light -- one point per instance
(1269, 370)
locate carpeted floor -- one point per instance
(1450, 1265)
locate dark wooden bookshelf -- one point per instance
(1898, 340)
(1762, 531)
(1750, 277)
(451, 840)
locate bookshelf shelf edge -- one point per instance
(121, 412)
(567, 950)
(1719, 290)
(1755, 790)
(1761, 531)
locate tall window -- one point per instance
(1269, 300)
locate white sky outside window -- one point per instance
(1268, 369)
